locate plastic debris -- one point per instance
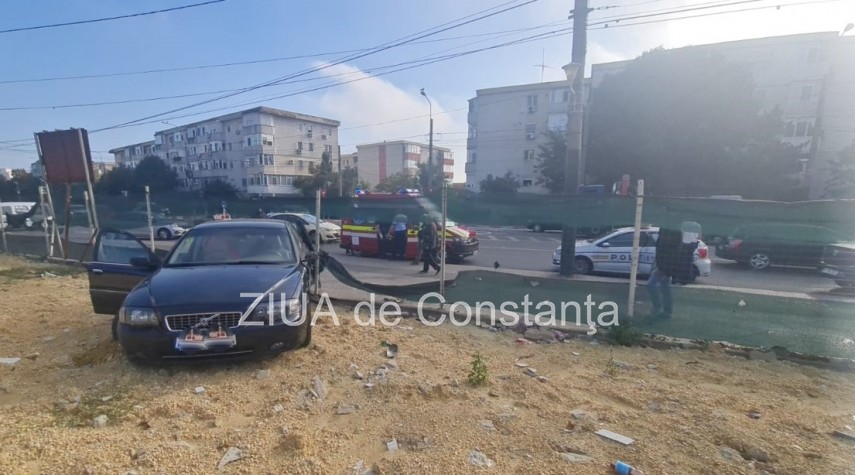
(614, 436)
(622, 468)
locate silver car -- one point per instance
(613, 254)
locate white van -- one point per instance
(14, 208)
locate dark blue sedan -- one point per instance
(227, 288)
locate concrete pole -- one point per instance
(3, 228)
(636, 238)
(148, 213)
(317, 239)
(442, 250)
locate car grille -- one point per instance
(183, 322)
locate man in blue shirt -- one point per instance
(399, 242)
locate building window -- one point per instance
(473, 132)
(328, 149)
(532, 103)
(300, 146)
(266, 140)
(526, 183)
(300, 164)
(557, 122)
(530, 131)
(528, 154)
(311, 146)
(560, 95)
(472, 157)
(228, 128)
(232, 165)
(268, 159)
(289, 180)
(806, 93)
(229, 146)
(799, 129)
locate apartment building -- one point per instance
(131, 155)
(808, 77)
(259, 151)
(379, 161)
(506, 126)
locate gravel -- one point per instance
(49, 405)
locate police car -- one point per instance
(613, 254)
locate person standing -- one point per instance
(382, 232)
(399, 243)
(666, 266)
(427, 247)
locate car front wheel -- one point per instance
(759, 260)
(164, 234)
(582, 266)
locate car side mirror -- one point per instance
(150, 262)
(605, 244)
(311, 256)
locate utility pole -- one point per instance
(340, 178)
(573, 170)
(430, 143)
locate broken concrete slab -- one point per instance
(614, 436)
(233, 454)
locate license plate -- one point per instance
(828, 271)
(192, 341)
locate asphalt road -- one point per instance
(521, 249)
(526, 250)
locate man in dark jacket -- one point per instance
(427, 246)
(668, 264)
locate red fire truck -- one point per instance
(371, 213)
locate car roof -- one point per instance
(242, 223)
(623, 230)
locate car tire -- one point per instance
(307, 340)
(537, 228)
(846, 284)
(115, 327)
(695, 274)
(582, 266)
(164, 234)
(759, 260)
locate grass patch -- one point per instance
(80, 413)
(37, 272)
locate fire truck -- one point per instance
(371, 212)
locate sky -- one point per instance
(322, 40)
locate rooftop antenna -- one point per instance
(542, 64)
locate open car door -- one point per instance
(119, 262)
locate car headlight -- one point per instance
(138, 316)
(283, 311)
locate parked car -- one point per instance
(194, 303)
(613, 254)
(329, 232)
(587, 231)
(136, 223)
(838, 263)
(22, 215)
(760, 246)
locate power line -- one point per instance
(386, 46)
(96, 20)
(423, 63)
(266, 60)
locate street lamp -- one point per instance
(430, 143)
(442, 251)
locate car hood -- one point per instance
(330, 227)
(219, 285)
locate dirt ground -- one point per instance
(686, 410)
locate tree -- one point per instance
(397, 181)
(841, 179)
(424, 175)
(155, 173)
(687, 122)
(21, 182)
(507, 184)
(320, 176)
(117, 180)
(350, 181)
(551, 158)
(219, 189)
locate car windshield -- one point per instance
(309, 218)
(233, 245)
